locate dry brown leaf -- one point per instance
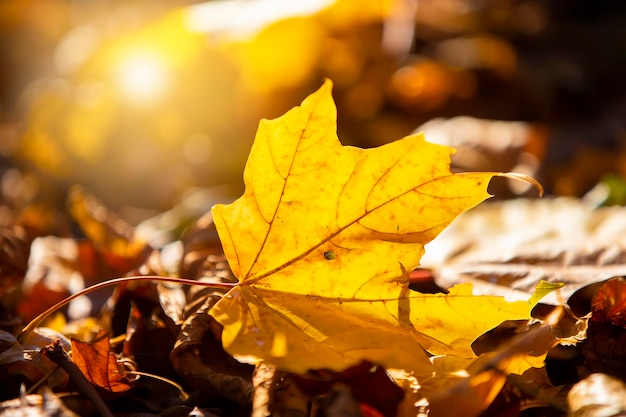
(35, 366)
(508, 248)
(99, 365)
(200, 360)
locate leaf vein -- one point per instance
(332, 235)
(282, 194)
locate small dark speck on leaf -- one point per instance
(330, 255)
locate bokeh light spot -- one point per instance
(142, 77)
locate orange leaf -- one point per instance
(609, 302)
(99, 364)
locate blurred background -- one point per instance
(144, 102)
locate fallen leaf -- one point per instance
(200, 360)
(609, 303)
(605, 348)
(469, 386)
(597, 395)
(150, 334)
(51, 275)
(34, 366)
(10, 348)
(322, 241)
(480, 147)
(109, 233)
(543, 289)
(555, 240)
(100, 365)
(58, 267)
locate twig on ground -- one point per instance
(54, 351)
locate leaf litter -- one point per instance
(322, 308)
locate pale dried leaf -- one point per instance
(598, 395)
(508, 248)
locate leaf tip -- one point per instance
(327, 84)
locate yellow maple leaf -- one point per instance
(321, 242)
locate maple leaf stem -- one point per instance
(36, 322)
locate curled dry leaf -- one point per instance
(200, 360)
(322, 242)
(149, 333)
(10, 349)
(35, 366)
(99, 365)
(609, 303)
(16, 361)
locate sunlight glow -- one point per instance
(241, 19)
(142, 77)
